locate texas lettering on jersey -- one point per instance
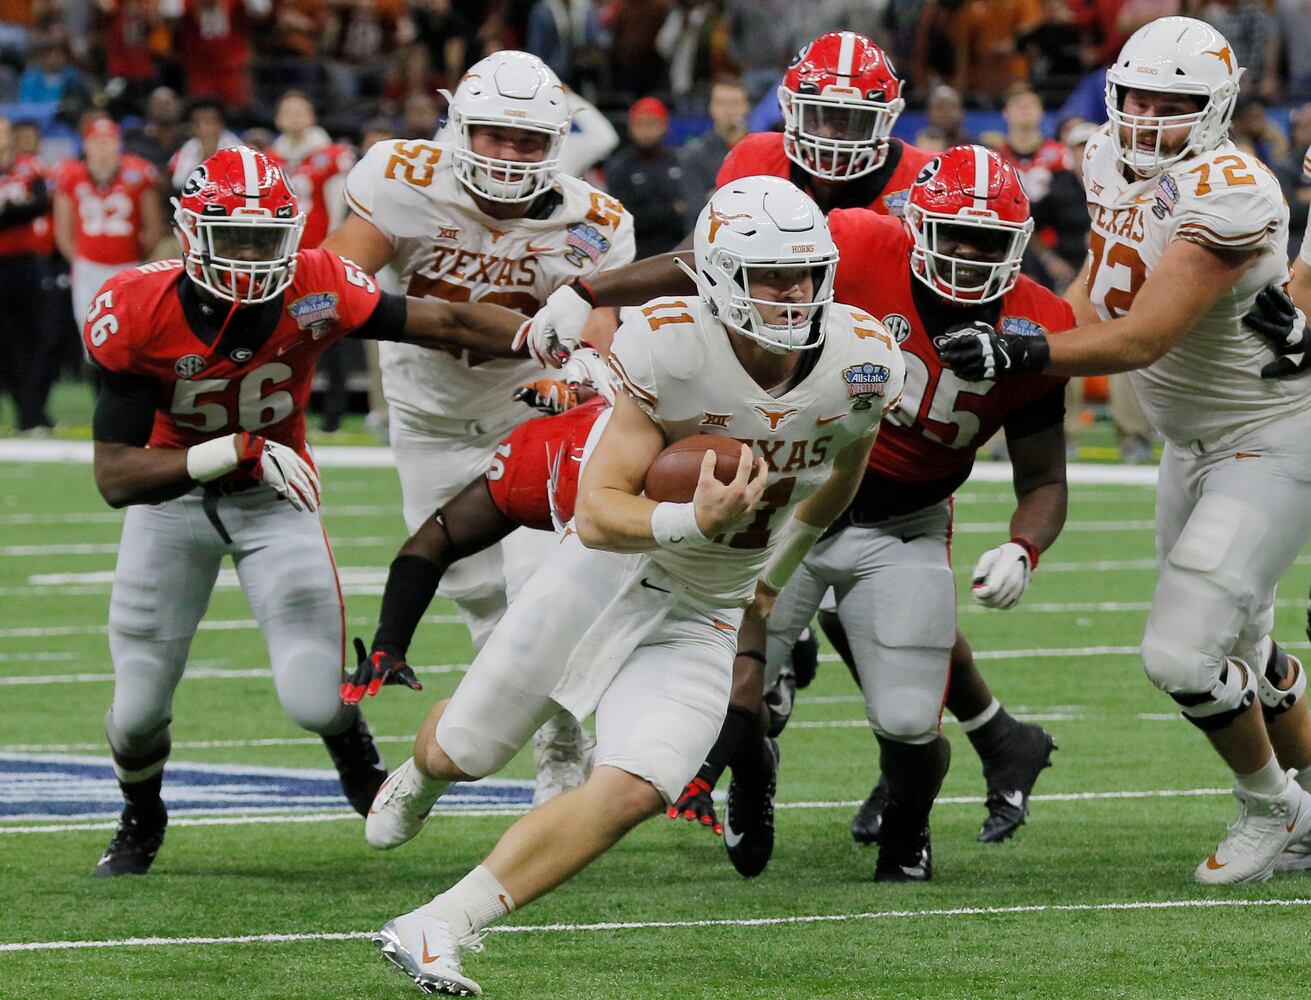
(675, 361)
(942, 420)
(447, 247)
(137, 326)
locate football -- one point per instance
(674, 473)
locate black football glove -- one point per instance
(696, 806)
(1283, 326)
(977, 352)
(375, 669)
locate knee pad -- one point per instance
(1231, 695)
(1275, 699)
(906, 716)
(473, 749)
(308, 682)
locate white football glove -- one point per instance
(1001, 576)
(555, 329)
(586, 367)
(283, 471)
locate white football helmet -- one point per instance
(516, 90)
(1176, 55)
(756, 224)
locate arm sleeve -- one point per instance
(125, 409)
(387, 321)
(1038, 414)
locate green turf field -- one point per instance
(1094, 898)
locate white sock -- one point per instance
(424, 786)
(472, 903)
(1269, 780)
(982, 719)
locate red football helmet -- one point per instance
(240, 226)
(840, 98)
(970, 218)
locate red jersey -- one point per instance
(942, 420)
(107, 216)
(16, 185)
(137, 326)
(884, 191)
(1036, 169)
(538, 466)
(310, 181)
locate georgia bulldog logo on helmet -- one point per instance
(840, 98)
(240, 225)
(971, 223)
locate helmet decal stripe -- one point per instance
(251, 180)
(847, 54)
(980, 177)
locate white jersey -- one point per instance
(1209, 385)
(675, 360)
(445, 246)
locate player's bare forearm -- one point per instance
(1186, 282)
(360, 241)
(1299, 285)
(641, 281)
(128, 475)
(610, 513)
(1042, 497)
(475, 326)
(1076, 294)
(826, 504)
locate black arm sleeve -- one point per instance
(125, 409)
(20, 213)
(387, 321)
(1045, 411)
(411, 585)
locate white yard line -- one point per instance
(627, 925)
(214, 625)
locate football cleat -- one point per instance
(780, 700)
(749, 819)
(905, 849)
(868, 821)
(562, 755)
(427, 950)
(1011, 783)
(1257, 839)
(400, 808)
(136, 842)
(805, 658)
(696, 806)
(358, 763)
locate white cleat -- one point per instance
(1257, 839)
(562, 754)
(401, 807)
(427, 950)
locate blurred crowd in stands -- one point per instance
(662, 89)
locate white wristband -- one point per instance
(674, 525)
(211, 459)
(794, 541)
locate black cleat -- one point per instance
(358, 763)
(868, 821)
(137, 840)
(905, 850)
(749, 819)
(780, 700)
(805, 657)
(1011, 783)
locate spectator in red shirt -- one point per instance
(215, 45)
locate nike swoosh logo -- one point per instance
(427, 957)
(1213, 864)
(821, 421)
(731, 837)
(1015, 798)
(1293, 822)
(284, 349)
(532, 249)
(651, 586)
(1246, 454)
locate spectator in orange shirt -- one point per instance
(988, 57)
